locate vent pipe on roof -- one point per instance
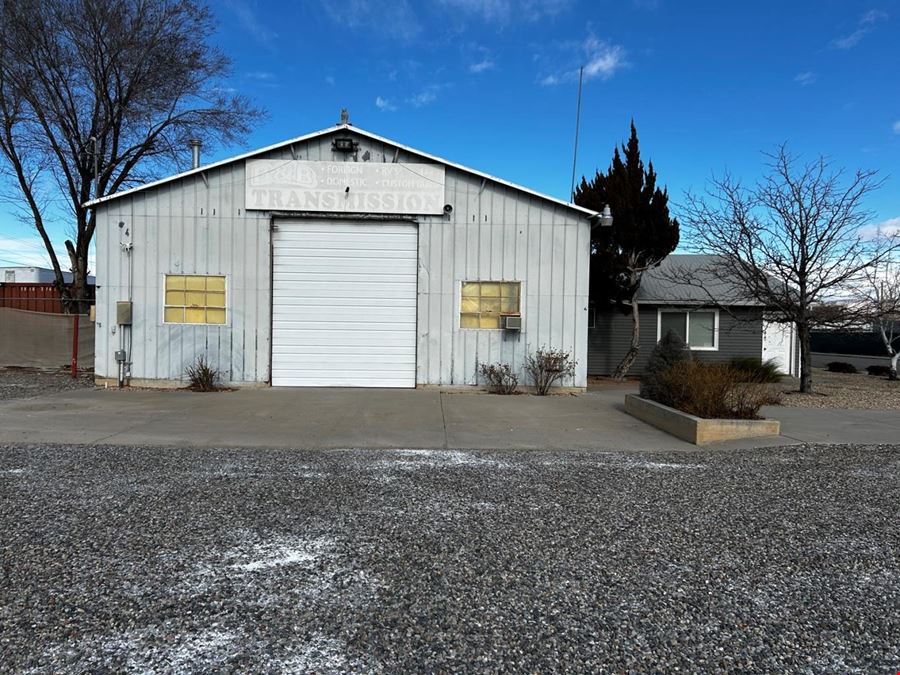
(195, 152)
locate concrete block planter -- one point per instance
(697, 430)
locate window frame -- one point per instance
(163, 305)
(459, 297)
(687, 325)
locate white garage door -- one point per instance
(344, 304)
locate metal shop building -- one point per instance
(338, 258)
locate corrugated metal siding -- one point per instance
(740, 334)
(494, 233)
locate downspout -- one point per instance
(272, 229)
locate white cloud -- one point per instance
(864, 26)
(329, 80)
(424, 97)
(384, 104)
(888, 228)
(504, 11)
(395, 20)
(805, 79)
(247, 17)
(896, 127)
(481, 66)
(26, 252)
(600, 59)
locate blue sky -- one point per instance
(492, 83)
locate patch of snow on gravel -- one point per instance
(321, 654)
(428, 458)
(277, 554)
(13, 471)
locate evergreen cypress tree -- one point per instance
(642, 234)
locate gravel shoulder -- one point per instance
(16, 383)
(172, 560)
(858, 391)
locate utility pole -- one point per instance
(577, 125)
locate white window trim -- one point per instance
(459, 286)
(687, 327)
(162, 299)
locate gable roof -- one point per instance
(707, 284)
(332, 129)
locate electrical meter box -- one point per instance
(123, 313)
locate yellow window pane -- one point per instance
(195, 283)
(490, 289)
(194, 315)
(509, 290)
(215, 316)
(195, 299)
(174, 315)
(469, 305)
(468, 321)
(215, 299)
(491, 305)
(174, 297)
(488, 321)
(509, 305)
(470, 289)
(174, 282)
(215, 284)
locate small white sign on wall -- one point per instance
(345, 187)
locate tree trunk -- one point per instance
(631, 354)
(893, 375)
(805, 359)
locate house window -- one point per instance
(483, 303)
(699, 329)
(194, 298)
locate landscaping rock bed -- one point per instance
(843, 390)
(18, 383)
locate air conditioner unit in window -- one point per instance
(511, 322)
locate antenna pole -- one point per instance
(577, 125)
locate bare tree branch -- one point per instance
(122, 85)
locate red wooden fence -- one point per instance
(33, 297)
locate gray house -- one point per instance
(337, 258)
(710, 314)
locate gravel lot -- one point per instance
(842, 390)
(168, 560)
(29, 383)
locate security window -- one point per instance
(484, 302)
(699, 329)
(194, 298)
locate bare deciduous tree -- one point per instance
(878, 302)
(793, 241)
(96, 96)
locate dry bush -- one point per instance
(547, 366)
(712, 390)
(202, 376)
(500, 377)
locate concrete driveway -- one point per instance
(360, 418)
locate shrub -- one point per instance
(712, 390)
(879, 371)
(500, 377)
(841, 367)
(668, 352)
(547, 366)
(754, 369)
(202, 376)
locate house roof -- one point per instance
(692, 279)
(329, 130)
